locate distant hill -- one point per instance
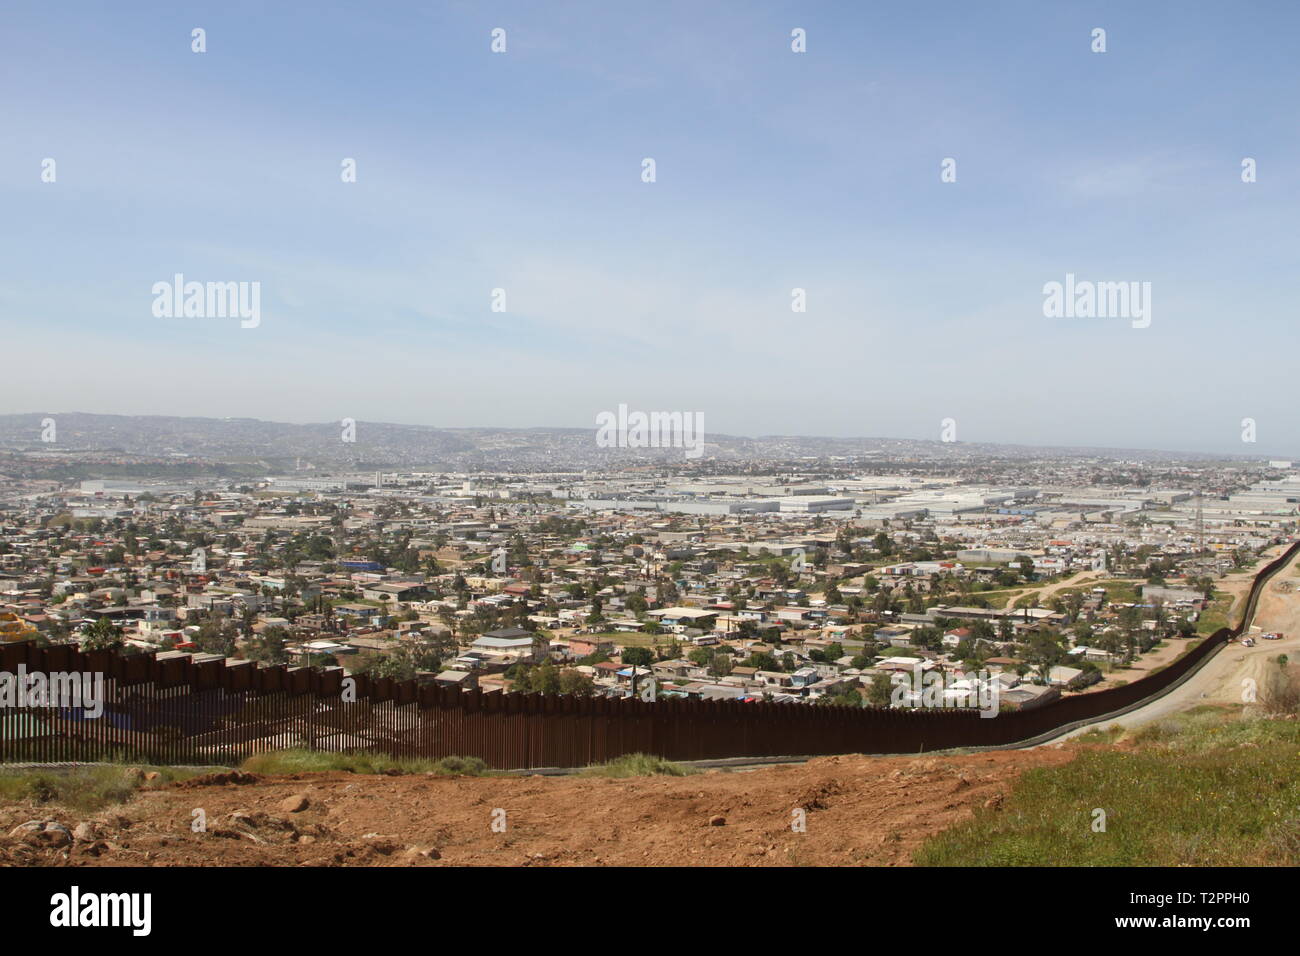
(278, 446)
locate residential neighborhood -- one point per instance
(717, 587)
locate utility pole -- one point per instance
(1200, 521)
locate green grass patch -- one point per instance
(630, 638)
(637, 639)
(638, 765)
(1215, 616)
(1117, 591)
(317, 761)
(996, 599)
(86, 788)
(1207, 788)
(1101, 735)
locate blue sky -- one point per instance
(775, 170)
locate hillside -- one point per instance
(1236, 806)
(859, 811)
(278, 446)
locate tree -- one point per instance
(268, 646)
(637, 657)
(216, 636)
(576, 683)
(543, 679)
(102, 635)
(397, 666)
(849, 698)
(880, 690)
(1044, 650)
(720, 666)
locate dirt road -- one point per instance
(1047, 590)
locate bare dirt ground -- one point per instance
(1238, 583)
(1075, 580)
(1278, 610)
(859, 811)
(1171, 650)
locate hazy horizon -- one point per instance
(707, 437)
(775, 170)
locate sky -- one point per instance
(774, 170)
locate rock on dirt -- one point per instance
(84, 832)
(416, 853)
(41, 833)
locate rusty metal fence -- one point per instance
(177, 711)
